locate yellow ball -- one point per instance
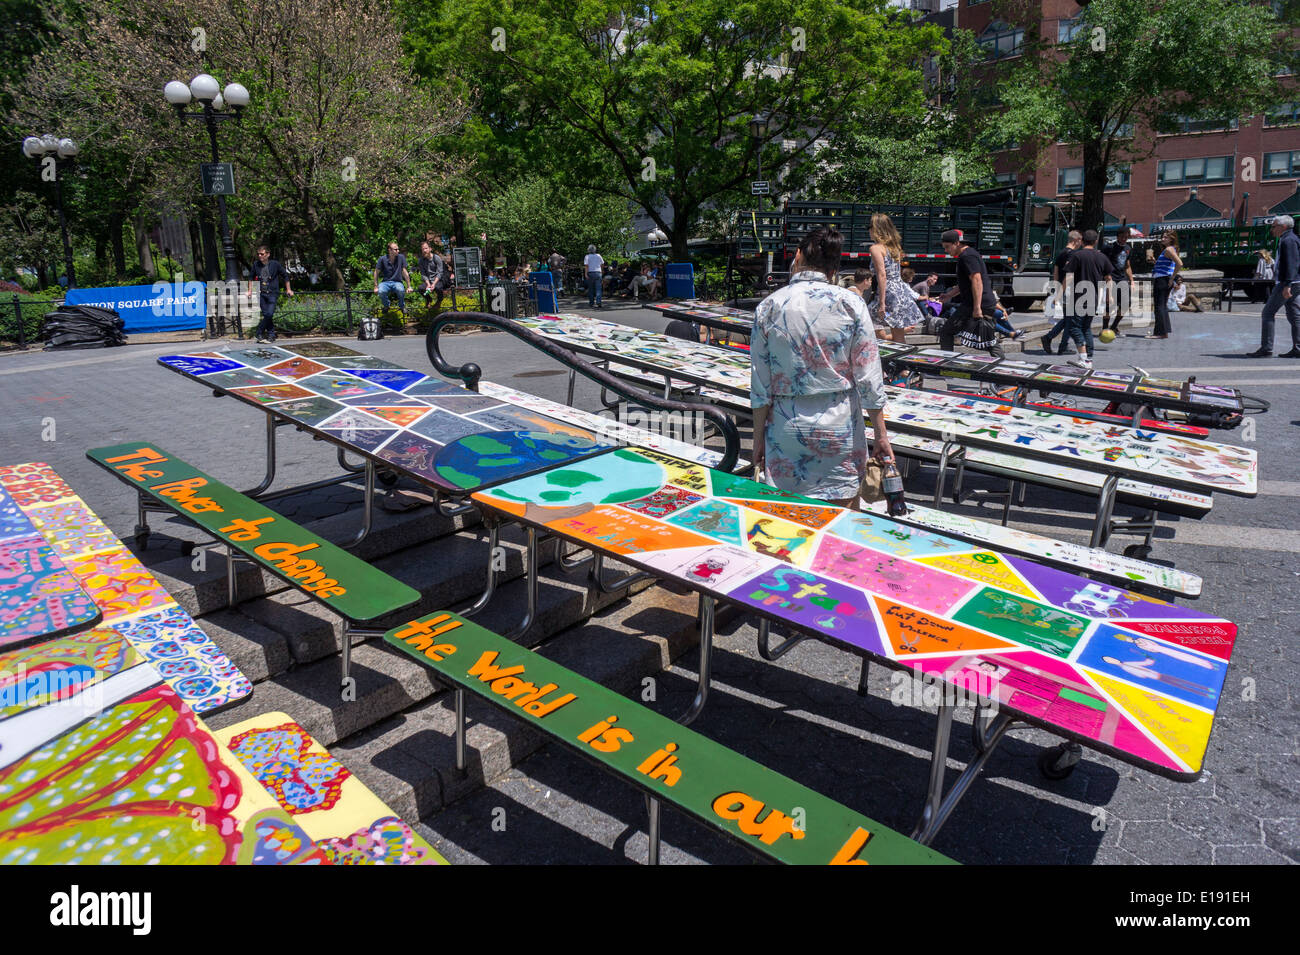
(1107, 336)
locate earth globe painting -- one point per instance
(480, 459)
(612, 479)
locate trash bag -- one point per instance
(82, 326)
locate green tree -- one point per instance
(653, 103)
(29, 238)
(901, 169)
(534, 215)
(1133, 67)
(335, 121)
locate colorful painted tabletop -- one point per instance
(39, 596)
(329, 807)
(1223, 404)
(442, 434)
(133, 604)
(117, 770)
(1012, 540)
(1169, 460)
(1131, 388)
(1121, 672)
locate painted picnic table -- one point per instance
(442, 434)
(1119, 452)
(1123, 673)
(39, 596)
(132, 605)
(1223, 406)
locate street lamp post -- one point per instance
(758, 127)
(52, 148)
(208, 92)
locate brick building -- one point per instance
(1232, 172)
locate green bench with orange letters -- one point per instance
(341, 581)
(763, 810)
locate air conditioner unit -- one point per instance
(926, 6)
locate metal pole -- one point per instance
(18, 314)
(63, 227)
(227, 244)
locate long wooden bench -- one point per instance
(763, 810)
(340, 581)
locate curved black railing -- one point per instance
(470, 373)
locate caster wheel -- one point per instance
(1058, 762)
(387, 478)
(1137, 551)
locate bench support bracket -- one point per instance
(707, 607)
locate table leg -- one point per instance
(460, 730)
(573, 381)
(1105, 509)
(530, 562)
(269, 479)
(951, 449)
(707, 607)
(939, 807)
(864, 676)
(494, 536)
(368, 513)
(653, 808)
(766, 652)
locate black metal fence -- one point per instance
(21, 320)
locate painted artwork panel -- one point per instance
(899, 592)
(200, 673)
(321, 797)
(294, 369)
(310, 411)
(258, 357)
(1153, 664)
(269, 394)
(39, 595)
(239, 378)
(398, 379)
(319, 350)
(198, 365)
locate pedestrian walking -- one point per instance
(972, 318)
(594, 265)
(894, 307)
(1074, 239)
(270, 275)
(1090, 272)
(1286, 289)
(1122, 272)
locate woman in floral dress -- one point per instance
(898, 311)
(816, 372)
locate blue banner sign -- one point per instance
(161, 307)
(681, 280)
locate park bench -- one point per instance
(254, 533)
(763, 810)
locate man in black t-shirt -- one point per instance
(1059, 267)
(973, 316)
(270, 275)
(1089, 276)
(1118, 252)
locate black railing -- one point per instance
(21, 321)
(470, 373)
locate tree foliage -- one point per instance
(911, 169)
(534, 215)
(1145, 62)
(653, 104)
(336, 119)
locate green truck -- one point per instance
(1016, 231)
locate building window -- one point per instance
(1005, 179)
(1282, 165)
(1067, 30)
(1071, 179)
(1285, 114)
(971, 3)
(1175, 172)
(1186, 124)
(1000, 40)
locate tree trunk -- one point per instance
(115, 220)
(142, 249)
(1094, 189)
